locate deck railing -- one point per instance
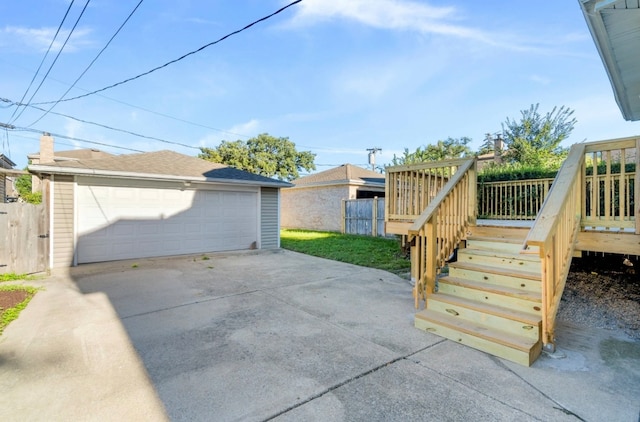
(611, 185)
(439, 229)
(410, 188)
(554, 232)
(512, 199)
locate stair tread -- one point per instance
(492, 288)
(524, 317)
(496, 336)
(501, 270)
(514, 240)
(499, 254)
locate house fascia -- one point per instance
(44, 169)
(345, 182)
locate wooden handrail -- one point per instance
(440, 196)
(436, 233)
(554, 232)
(546, 221)
(427, 165)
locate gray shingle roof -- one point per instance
(166, 164)
(344, 174)
(76, 154)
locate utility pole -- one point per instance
(372, 156)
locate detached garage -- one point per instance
(156, 204)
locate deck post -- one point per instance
(637, 187)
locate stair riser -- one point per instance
(485, 319)
(505, 352)
(498, 261)
(495, 299)
(496, 279)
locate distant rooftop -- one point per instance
(344, 174)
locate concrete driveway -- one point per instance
(276, 335)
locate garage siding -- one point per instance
(63, 198)
(270, 227)
(136, 219)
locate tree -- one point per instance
(23, 186)
(265, 155)
(535, 139)
(442, 150)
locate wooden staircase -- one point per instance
(490, 300)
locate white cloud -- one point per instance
(540, 79)
(250, 128)
(407, 15)
(39, 39)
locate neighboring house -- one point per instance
(616, 32)
(7, 179)
(315, 201)
(155, 204)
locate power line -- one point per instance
(179, 58)
(178, 119)
(64, 18)
(57, 135)
(101, 125)
(90, 64)
(54, 60)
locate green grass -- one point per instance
(367, 251)
(13, 277)
(10, 314)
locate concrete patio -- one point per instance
(276, 335)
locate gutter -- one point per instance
(39, 169)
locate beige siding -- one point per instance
(63, 204)
(269, 224)
(317, 208)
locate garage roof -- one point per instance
(344, 175)
(615, 28)
(160, 165)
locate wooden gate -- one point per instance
(24, 238)
(363, 216)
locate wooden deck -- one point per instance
(591, 205)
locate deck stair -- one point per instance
(490, 300)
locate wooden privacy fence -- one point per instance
(24, 239)
(363, 216)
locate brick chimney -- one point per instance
(45, 156)
(46, 148)
(498, 147)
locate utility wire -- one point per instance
(54, 60)
(6, 100)
(57, 135)
(178, 119)
(64, 18)
(179, 58)
(90, 64)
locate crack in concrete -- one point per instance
(348, 381)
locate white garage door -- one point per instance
(125, 222)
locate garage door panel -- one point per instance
(126, 223)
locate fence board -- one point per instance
(359, 216)
(22, 250)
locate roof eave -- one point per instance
(591, 9)
(44, 169)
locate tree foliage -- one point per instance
(442, 150)
(535, 139)
(23, 186)
(265, 155)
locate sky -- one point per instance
(336, 77)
